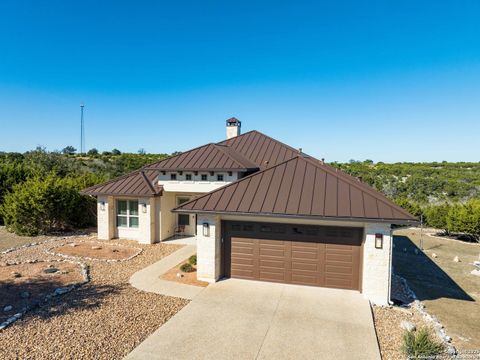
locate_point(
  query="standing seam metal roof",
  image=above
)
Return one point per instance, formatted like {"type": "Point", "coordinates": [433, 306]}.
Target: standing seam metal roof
{"type": "Point", "coordinates": [300, 187]}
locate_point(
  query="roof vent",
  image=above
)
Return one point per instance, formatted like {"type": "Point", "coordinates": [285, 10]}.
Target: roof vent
{"type": "Point", "coordinates": [299, 150]}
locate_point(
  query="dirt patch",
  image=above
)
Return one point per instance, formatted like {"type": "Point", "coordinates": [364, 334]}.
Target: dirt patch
{"type": "Point", "coordinates": [24, 284]}
{"type": "Point", "coordinates": [96, 250]}
{"type": "Point", "coordinates": [187, 278]}
{"type": "Point", "coordinates": [446, 288]}
{"type": "Point", "coordinates": [389, 332]}
{"type": "Point", "coordinates": [103, 319]}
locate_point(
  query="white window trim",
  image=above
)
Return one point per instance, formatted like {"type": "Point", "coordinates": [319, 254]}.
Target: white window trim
{"type": "Point", "coordinates": [127, 215]}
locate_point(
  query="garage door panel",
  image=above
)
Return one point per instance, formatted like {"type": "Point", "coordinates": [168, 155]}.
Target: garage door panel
{"type": "Point", "coordinates": [318, 260]}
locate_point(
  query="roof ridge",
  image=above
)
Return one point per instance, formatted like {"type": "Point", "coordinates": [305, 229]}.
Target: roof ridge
{"type": "Point", "coordinates": [113, 180]}
{"type": "Point", "coordinates": [148, 182]}
{"type": "Point", "coordinates": [148, 166]}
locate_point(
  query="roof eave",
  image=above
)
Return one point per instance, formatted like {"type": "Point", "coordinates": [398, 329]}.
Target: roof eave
{"type": "Point", "coordinates": [310, 217]}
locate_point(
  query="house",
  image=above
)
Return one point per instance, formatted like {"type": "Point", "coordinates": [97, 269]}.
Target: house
{"type": "Point", "coordinates": [260, 210]}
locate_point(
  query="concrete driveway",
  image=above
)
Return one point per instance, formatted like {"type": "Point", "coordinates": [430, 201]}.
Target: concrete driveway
{"type": "Point", "coordinates": [239, 319]}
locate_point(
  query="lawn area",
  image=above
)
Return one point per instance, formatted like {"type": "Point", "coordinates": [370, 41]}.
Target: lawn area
{"type": "Point", "coordinates": [446, 287]}
{"type": "Point", "coordinates": [103, 319]}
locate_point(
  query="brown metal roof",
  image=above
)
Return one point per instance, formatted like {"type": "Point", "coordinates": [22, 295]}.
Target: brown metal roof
{"type": "Point", "coordinates": [211, 157]}
{"type": "Point", "coordinates": [300, 187]}
{"type": "Point", "coordinates": [138, 183]}
{"type": "Point", "coordinates": [260, 149]}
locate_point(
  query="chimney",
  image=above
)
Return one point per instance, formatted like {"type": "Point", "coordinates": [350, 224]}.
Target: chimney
{"type": "Point", "coordinates": [233, 127]}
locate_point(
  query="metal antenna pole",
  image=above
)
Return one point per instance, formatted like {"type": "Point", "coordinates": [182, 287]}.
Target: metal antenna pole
{"type": "Point", "coordinates": [82, 130]}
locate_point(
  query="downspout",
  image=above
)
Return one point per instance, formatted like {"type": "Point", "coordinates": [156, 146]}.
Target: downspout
{"type": "Point", "coordinates": [390, 302]}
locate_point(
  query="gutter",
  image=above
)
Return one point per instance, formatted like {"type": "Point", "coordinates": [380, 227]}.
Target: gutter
{"type": "Point", "coordinates": [311, 217]}
{"type": "Point", "coordinates": [390, 268]}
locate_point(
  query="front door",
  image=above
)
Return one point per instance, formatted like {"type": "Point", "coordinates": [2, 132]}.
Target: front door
{"type": "Point", "coordinates": [186, 220]}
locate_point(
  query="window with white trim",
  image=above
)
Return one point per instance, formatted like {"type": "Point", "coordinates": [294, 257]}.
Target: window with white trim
{"type": "Point", "coordinates": [127, 213]}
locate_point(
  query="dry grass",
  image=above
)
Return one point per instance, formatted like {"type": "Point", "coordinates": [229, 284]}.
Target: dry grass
{"type": "Point", "coordinates": [447, 288]}
{"type": "Point", "coordinates": [103, 319]}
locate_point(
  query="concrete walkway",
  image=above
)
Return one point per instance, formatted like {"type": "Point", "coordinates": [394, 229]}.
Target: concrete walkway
{"type": "Point", "coordinates": [148, 279]}
{"type": "Point", "coordinates": [239, 319]}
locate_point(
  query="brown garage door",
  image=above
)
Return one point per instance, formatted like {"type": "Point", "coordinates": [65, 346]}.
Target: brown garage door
{"type": "Point", "coordinates": [296, 254]}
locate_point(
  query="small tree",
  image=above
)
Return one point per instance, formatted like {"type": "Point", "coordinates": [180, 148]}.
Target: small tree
{"type": "Point", "coordinates": [436, 216]}
{"type": "Point", "coordinates": [465, 218]}
{"type": "Point", "coordinates": [42, 205]}
{"type": "Point", "coordinates": [69, 150]}
{"type": "Point", "coordinates": [92, 152]}
{"type": "Point", "coordinates": [116, 152]}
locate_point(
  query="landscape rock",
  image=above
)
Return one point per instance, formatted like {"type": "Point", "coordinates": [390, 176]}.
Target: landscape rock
{"type": "Point", "coordinates": [456, 259]}
{"type": "Point", "coordinates": [50, 270]}
{"type": "Point", "coordinates": [7, 308]}
{"type": "Point", "coordinates": [407, 325]}
{"type": "Point", "coordinates": [73, 245]}
{"type": "Point", "coordinates": [475, 272]}
{"type": "Point", "coordinates": [96, 247]}
{"type": "Point", "coordinates": [434, 255]}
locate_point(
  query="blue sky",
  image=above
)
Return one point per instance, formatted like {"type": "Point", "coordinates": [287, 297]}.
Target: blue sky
{"type": "Point", "coordinates": [383, 80]}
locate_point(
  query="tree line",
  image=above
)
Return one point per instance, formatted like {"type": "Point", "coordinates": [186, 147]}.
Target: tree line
{"type": "Point", "coordinates": [39, 190]}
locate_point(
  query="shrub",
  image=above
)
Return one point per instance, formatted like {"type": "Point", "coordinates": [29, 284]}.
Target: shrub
{"type": "Point", "coordinates": [436, 216]}
{"type": "Point", "coordinates": [42, 205]}
{"type": "Point", "coordinates": [465, 218]}
{"type": "Point", "coordinates": [420, 344]}
{"type": "Point", "coordinates": [187, 268]}
{"type": "Point", "coordinates": [193, 260]}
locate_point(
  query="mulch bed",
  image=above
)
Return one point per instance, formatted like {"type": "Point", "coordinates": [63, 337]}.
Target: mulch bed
{"type": "Point", "coordinates": [186, 278]}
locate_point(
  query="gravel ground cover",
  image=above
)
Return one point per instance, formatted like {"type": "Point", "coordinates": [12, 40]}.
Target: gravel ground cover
{"type": "Point", "coordinates": [103, 319]}
{"type": "Point", "coordinates": [23, 284]}
{"type": "Point", "coordinates": [389, 332]}
{"type": "Point", "coordinates": [95, 250]}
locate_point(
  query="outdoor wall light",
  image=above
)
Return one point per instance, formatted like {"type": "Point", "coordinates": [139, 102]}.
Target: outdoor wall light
{"type": "Point", "coordinates": [144, 208]}
{"type": "Point", "coordinates": [102, 205]}
{"type": "Point", "coordinates": [378, 241]}
{"type": "Point", "coordinates": [206, 229]}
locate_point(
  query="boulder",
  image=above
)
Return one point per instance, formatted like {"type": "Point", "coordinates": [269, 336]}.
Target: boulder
{"type": "Point", "coordinates": [456, 259]}
{"type": "Point", "coordinates": [434, 255]}
{"type": "Point", "coordinates": [407, 325]}
{"type": "Point", "coordinates": [50, 270]}
{"type": "Point", "coordinates": [7, 308]}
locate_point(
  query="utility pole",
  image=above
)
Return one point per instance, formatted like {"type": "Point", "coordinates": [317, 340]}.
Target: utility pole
{"type": "Point", "coordinates": [82, 130]}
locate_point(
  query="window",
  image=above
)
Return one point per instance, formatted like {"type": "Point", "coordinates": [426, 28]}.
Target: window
{"type": "Point", "coordinates": [188, 177]}
{"type": "Point", "coordinates": [220, 177]}
{"type": "Point", "coordinates": [127, 213]}
{"type": "Point", "coordinates": [204, 177]}
{"type": "Point", "coordinates": [173, 176]}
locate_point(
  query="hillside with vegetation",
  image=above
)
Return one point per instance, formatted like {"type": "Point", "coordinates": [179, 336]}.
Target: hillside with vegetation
{"type": "Point", "coordinates": [39, 190]}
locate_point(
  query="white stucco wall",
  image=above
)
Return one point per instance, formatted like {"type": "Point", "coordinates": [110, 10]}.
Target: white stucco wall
{"type": "Point", "coordinates": [105, 211]}
{"type": "Point", "coordinates": [196, 185]}
{"type": "Point", "coordinates": [377, 264]}
{"type": "Point", "coordinates": [208, 248]}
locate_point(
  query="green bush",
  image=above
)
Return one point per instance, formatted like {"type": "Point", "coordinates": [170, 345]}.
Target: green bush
{"type": "Point", "coordinates": [42, 205]}
{"type": "Point", "coordinates": [193, 260]}
{"type": "Point", "coordinates": [187, 268]}
{"type": "Point", "coordinates": [420, 344]}
{"type": "Point", "coordinates": [436, 216]}
{"type": "Point", "coordinates": [465, 218]}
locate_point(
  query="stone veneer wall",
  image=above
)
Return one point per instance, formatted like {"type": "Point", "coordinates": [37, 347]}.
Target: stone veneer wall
{"type": "Point", "coordinates": [209, 248]}
{"type": "Point", "coordinates": [377, 264]}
